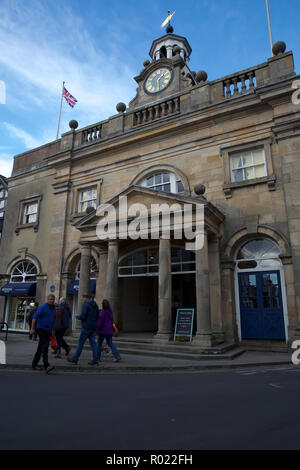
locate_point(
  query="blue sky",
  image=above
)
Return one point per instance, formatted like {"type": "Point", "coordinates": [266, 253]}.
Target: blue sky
{"type": "Point", "coordinates": [98, 46]}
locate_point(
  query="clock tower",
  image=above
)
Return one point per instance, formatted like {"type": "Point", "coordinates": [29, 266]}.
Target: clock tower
{"type": "Point", "coordinates": [167, 73]}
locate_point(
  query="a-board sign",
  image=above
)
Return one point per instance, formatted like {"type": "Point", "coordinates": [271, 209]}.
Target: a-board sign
{"type": "Point", "coordinates": [184, 322]}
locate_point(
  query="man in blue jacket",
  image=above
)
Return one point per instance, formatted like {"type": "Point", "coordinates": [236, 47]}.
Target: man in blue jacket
{"type": "Point", "coordinates": [88, 317]}
{"type": "Point", "coordinates": [43, 322]}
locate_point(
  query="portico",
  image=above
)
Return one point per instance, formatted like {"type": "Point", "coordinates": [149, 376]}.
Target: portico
{"type": "Point", "coordinates": [206, 267]}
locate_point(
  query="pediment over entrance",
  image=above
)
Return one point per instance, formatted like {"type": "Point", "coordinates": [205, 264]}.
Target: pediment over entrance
{"type": "Point", "coordinates": [126, 203]}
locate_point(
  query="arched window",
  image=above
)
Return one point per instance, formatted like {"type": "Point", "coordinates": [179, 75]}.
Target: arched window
{"type": "Point", "coordinates": [146, 262]}
{"type": "Point", "coordinates": [93, 268]}
{"type": "Point", "coordinates": [163, 52]}
{"type": "Point", "coordinates": [260, 253]}
{"type": "Point", "coordinates": [24, 271]}
{"type": "Point", "coordinates": [164, 181]}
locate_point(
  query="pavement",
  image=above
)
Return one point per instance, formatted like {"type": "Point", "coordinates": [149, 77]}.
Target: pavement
{"type": "Point", "coordinates": [20, 351]}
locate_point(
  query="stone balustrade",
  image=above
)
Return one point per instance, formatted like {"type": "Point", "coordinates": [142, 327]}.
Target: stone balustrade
{"type": "Point", "coordinates": [240, 83]}
{"type": "Point", "coordinates": [158, 111]}
{"type": "Point", "coordinates": [91, 134]}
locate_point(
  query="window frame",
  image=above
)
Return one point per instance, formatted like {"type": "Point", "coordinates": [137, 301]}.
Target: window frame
{"type": "Point", "coordinates": [94, 184]}
{"type": "Point", "coordinates": [227, 151]}
{"type": "Point", "coordinates": [22, 207]}
{"type": "Point", "coordinates": [174, 179]}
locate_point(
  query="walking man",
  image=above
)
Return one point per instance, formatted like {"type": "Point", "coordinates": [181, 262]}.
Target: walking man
{"type": "Point", "coordinates": [88, 317]}
{"type": "Point", "coordinates": [43, 322]}
{"type": "Point", "coordinates": [61, 326]}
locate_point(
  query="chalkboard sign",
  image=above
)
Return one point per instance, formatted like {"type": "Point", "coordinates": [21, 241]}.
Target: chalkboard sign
{"type": "Point", "coordinates": [184, 322]}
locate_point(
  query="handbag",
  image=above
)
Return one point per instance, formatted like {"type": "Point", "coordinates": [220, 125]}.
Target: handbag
{"type": "Point", "coordinates": [53, 343]}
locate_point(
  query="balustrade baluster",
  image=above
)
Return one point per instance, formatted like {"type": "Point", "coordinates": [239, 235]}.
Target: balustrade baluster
{"type": "Point", "coordinates": [176, 101]}
{"type": "Point", "coordinates": [251, 83]}
{"type": "Point", "coordinates": [151, 111]}
{"type": "Point", "coordinates": [169, 103]}
{"type": "Point", "coordinates": [227, 84]}
{"type": "Point", "coordinates": [163, 109]}
{"type": "Point", "coordinates": [156, 113]}
{"type": "Point", "coordinates": [243, 78]}
{"type": "Point", "coordinates": [235, 87]}
{"type": "Point", "coordinates": [139, 117]}
{"type": "Point", "coordinates": [144, 112]}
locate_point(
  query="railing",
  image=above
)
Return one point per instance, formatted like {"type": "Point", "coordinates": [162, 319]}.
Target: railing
{"type": "Point", "coordinates": [239, 84]}
{"type": "Point", "coordinates": [91, 135]}
{"type": "Point", "coordinates": [157, 111]}
{"type": "Point", "coordinates": [2, 323]}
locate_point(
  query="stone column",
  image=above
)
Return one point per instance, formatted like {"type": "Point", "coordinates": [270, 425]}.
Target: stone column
{"type": "Point", "coordinates": [101, 279]}
{"type": "Point", "coordinates": [204, 332]}
{"type": "Point", "coordinates": [169, 52]}
{"type": "Point", "coordinates": [164, 332]}
{"type": "Point", "coordinates": [228, 301]}
{"type": "Point", "coordinates": [112, 277]}
{"type": "Point", "coordinates": [85, 267]}
{"type": "Point", "coordinates": [157, 55]}
{"type": "Point", "coordinates": [215, 288]}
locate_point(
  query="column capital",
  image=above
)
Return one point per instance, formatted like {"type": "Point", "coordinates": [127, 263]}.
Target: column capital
{"type": "Point", "coordinates": [113, 243]}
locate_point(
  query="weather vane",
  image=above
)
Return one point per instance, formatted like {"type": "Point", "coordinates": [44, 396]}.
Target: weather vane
{"type": "Point", "coordinates": [168, 19]}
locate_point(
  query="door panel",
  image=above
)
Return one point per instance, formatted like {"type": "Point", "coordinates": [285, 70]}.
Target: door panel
{"type": "Point", "coordinates": [261, 305]}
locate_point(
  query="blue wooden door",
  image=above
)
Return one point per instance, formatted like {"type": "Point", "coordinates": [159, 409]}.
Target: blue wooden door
{"type": "Point", "coordinates": [261, 305]}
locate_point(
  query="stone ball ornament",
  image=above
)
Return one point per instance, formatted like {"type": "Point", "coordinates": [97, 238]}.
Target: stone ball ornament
{"type": "Point", "coordinates": [177, 50]}
{"type": "Point", "coordinates": [73, 124]}
{"type": "Point", "coordinates": [146, 63]}
{"type": "Point", "coordinates": [199, 189]}
{"type": "Point", "coordinates": [279, 47]}
{"type": "Point", "coordinates": [170, 29]}
{"type": "Point", "coordinates": [121, 107]}
{"type": "Point", "coordinates": [89, 209]}
{"type": "Point", "coordinates": [201, 76]}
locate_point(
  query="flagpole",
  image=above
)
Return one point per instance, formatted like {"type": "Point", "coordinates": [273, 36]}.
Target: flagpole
{"type": "Point", "coordinates": [61, 100]}
{"type": "Point", "coordinates": [270, 29]}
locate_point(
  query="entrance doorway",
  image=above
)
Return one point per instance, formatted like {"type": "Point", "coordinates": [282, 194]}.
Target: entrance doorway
{"type": "Point", "coordinates": [138, 287]}
{"type": "Point", "coordinates": [260, 291]}
{"type": "Point", "coordinates": [261, 305]}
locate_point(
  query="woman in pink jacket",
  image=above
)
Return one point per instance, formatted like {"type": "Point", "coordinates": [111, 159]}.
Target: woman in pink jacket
{"type": "Point", "coordinates": [105, 330]}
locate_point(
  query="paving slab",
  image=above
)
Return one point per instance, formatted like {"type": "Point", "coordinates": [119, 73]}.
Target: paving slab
{"type": "Point", "coordinates": [20, 351]}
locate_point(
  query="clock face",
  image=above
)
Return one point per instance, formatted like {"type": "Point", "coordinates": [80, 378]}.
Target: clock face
{"type": "Point", "coordinates": [158, 80]}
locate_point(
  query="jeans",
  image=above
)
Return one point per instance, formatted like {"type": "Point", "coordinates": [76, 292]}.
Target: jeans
{"type": "Point", "coordinates": [109, 343]}
{"type": "Point", "coordinates": [42, 349]}
{"type": "Point", "coordinates": [84, 335]}
{"type": "Point", "coordinates": [60, 340]}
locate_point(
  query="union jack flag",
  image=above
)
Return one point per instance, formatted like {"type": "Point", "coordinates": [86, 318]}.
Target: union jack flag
{"type": "Point", "coordinates": [69, 98]}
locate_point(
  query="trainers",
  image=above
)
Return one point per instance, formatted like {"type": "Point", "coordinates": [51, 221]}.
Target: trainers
{"type": "Point", "coordinates": [118, 359]}
{"type": "Point", "coordinates": [92, 363]}
{"type": "Point", "coordinates": [49, 369]}
{"type": "Point", "coordinates": [37, 368]}
{"type": "Point", "coordinates": [71, 360]}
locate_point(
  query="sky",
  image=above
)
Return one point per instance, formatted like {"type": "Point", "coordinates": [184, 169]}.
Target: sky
{"type": "Point", "coordinates": [98, 46]}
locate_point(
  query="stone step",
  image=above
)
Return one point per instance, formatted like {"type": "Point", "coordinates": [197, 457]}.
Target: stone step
{"type": "Point", "coordinates": [176, 351]}
{"type": "Point", "coordinates": [265, 345]}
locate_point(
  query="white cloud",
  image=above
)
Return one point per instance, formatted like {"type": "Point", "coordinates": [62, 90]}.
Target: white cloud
{"type": "Point", "coordinates": [29, 141]}
{"type": "Point", "coordinates": [6, 164]}
{"type": "Point", "coordinates": [52, 46]}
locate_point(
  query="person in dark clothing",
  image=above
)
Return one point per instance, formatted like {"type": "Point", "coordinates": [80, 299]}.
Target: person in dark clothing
{"type": "Point", "coordinates": [43, 322]}
{"type": "Point", "coordinates": [29, 320]}
{"type": "Point", "coordinates": [88, 317]}
{"type": "Point", "coordinates": [105, 330]}
{"type": "Point", "coordinates": [61, 325]}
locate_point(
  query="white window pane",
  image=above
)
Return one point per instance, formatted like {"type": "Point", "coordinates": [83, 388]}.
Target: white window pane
{"type": "Point", "coordinates": [31, 209]}
{"type": "Point", "coordinates": [258, 156]}
{"type": "Point", "coordinates": [246, 159]}
{"type": "Point", "coordinates": [2, 204]}
{"type": "Point", "coordinates": [1, 193]}
{"type": "Point", "coordinates": [157, 178]}
{"type": "Point", "coordinates": [260, 171]}
{"type": "Point", "coordinates": [180, 187]}
{"type": "Point", "coordinates": [235, 161]}
{"type": "Point", "coordinates": [166, 177]}
{"type": "Point", "coordinates": [150, 181]}
{"type": "Point", "coordinates": [237, 175]}
{"type": "Point", "coordinates": [248, 174]}
{"type": "Point", "coordinates": [1, 215]}
{"type": "Point", "coordinates": [31, 218]}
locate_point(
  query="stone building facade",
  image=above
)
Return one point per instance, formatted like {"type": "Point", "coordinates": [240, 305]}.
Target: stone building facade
{"type": "Point", "coordinates": [230, 146]}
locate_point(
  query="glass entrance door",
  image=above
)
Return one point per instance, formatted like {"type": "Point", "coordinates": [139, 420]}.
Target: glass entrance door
{"type": "Point", "coordinates": [261, 305]}
{"type": "Point", "coordinates": [20, 307]}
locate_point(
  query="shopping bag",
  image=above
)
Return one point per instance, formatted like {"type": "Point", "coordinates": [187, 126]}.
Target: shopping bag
{"type": "Point", "coordinates": [53, 343]}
